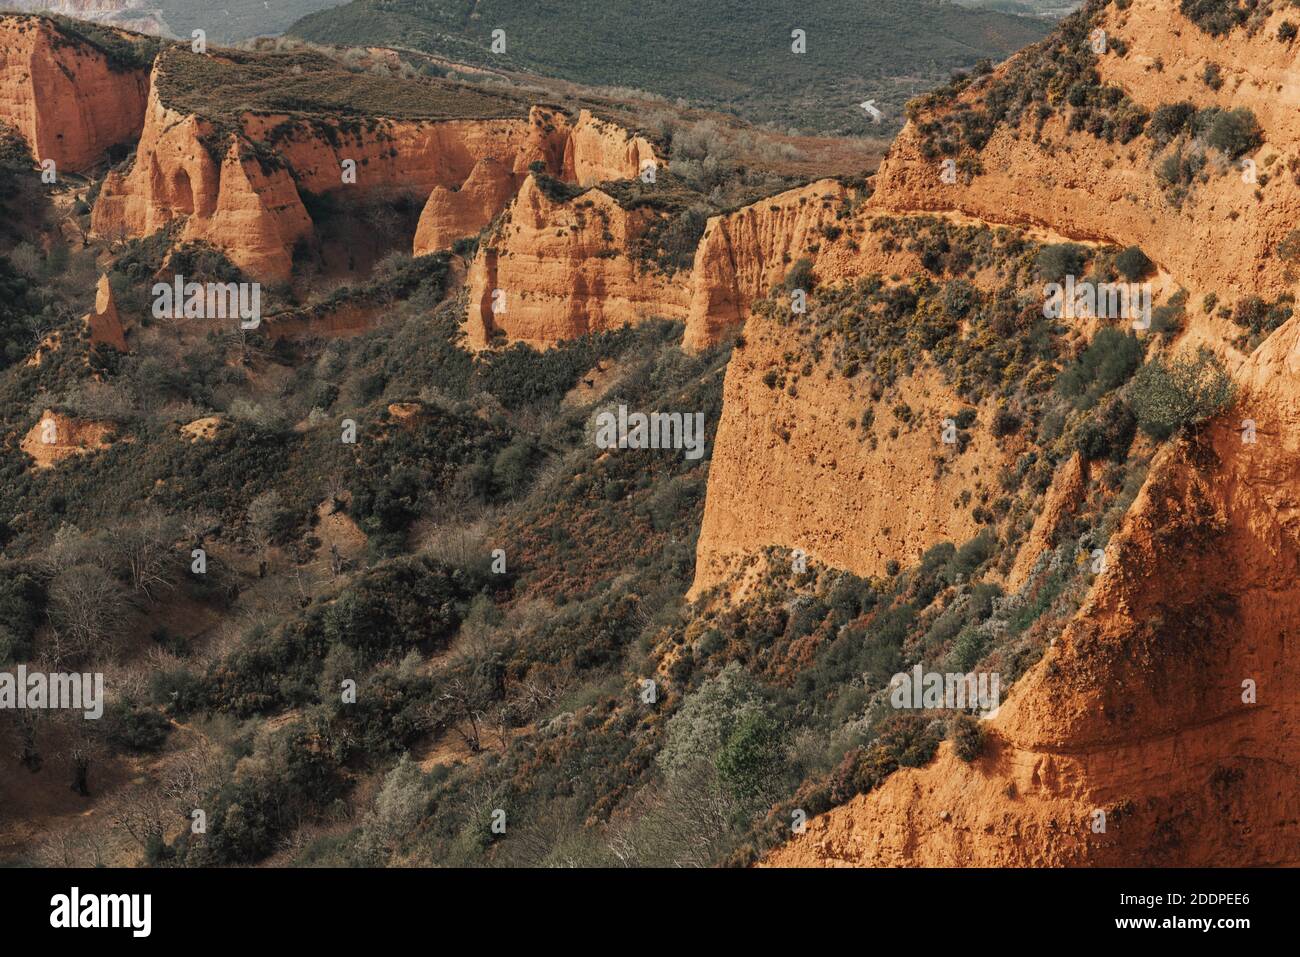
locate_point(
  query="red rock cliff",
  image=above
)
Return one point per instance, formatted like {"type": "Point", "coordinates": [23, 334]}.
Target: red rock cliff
{"type": "Point", "coordinates": [67, 99]}
{"type": "Point", "coordinates": [1141, 708]}
{"type": "Point", "coordinates": [564, 268]}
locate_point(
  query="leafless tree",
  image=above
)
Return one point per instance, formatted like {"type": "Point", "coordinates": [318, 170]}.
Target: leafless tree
{"type": "Point", "coordinates": [82, 745]}
{"type": "Point", "coordinates": [143, 815]}
{"type": "Point", "coordinates": [146, 548]}
{"type": "Point", "coordinates": [262, 512]}
{"type": "Point", "coordinates": [86, 607]}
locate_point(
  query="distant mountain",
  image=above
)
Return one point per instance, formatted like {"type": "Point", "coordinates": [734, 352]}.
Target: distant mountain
{"type": "Point", "coordinates": [731, 54]}
{"type": "Point", "coordinates": [224, 21]}
{"type": "Point", "coordinates": [1041, 8]}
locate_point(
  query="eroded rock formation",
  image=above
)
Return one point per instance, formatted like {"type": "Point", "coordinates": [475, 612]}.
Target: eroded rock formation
{"type": "Point", "coordinates": [557, 268]}
{"type": "Point", "coordinates": [68, 100]}
{"type": "Point", "coordinates": [1163, 707]}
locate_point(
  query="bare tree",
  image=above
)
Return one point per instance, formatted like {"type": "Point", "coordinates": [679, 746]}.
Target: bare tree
{"type": "Point", "coordinates": [262, 515]}
{"type": "Point", "coordinates": [146, 548]}
{"type": "Point", "coordinates": [72, 847]}
{"type": "Point", "coordinates": [475, 685]}
{"type": "Point", "coordinates": [143, 815]}
{"type": "Point", "coordinates": [28, 753]}
{"type": "Point", "coordinates": [82, 745]}
{"type": "Point", "coordinates": [86, 607]}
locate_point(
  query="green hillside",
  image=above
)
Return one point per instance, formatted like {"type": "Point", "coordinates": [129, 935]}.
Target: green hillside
{"type": "Point", "coordinates": [233, 20]}
{"type": "Point", "coordinates": [729, 54]}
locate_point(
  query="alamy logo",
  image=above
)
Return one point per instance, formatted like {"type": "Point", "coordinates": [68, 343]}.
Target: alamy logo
{"type": "Point", "coordinates": [934, 689]}
{"type": "Point", "coordinates": [1107, 300]}
{"type": "Point", "coordinates": [39, 691]}
{"type": "Point", "coordinates": [657, 430]}
{"type": "Point", "coordinates": [134, 911]}
{"type": "Point", "coordinates": [211, 300]}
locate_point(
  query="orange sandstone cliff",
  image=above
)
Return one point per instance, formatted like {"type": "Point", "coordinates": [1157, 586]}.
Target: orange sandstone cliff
{"type": "Point", "coordinates": [1088, 187]}
{"type": "Point", "coordinates": [241, 186]}
{"type": "Point", "coordinates": [555, 269]}
{"type": "Point", "coordinates": [104, 323]}
{"type": "Point", "coordinates": [743, 254]}
{"type": "Point", "coordinates": [56, 437]}
{"type": "Point", "coordinates": [1165, 704]}
{"type": "Point", "coordinates": [1158, 729]}
{"type": "Point", "coordinates": [67, 99]}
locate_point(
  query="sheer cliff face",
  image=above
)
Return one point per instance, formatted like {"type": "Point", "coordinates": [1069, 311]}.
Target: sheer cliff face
{"type": "Point", "coordinates": [467, 198]}
{"type": "Point", "coordinates": [1088, 187]}
{"type": "Point", "coordinates": [742, 255]}
{"type": "Point", "coordinates": [65, 98]}
{"type": "Point", "coordinates": [250, 210]}
{"type": "Point", "coordinates": [1138, 710]}
{"type": "Point", "coordinates": [1165, 702]}
{"type": "Point", "coordinates": [243, 190]}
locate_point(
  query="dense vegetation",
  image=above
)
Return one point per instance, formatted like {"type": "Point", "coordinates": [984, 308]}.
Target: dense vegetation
{"type": "Point", "coordinates": [732, 54]}
{"type": "Point", "coordinates": [1055, 77]}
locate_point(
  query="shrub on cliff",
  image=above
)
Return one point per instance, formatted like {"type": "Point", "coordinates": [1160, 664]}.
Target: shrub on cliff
{"type": "Point", "coordinates": [1234, 132]}
{"type": "Point", "coordinates": [1107, 433]}
{"type": "Point", "coordinates": [967, 737]}
{"type": "Point", "coordinates": [1059, 260]}
{"type": "Point", "coordinates": [1132, 263]}
{"type": "Point", "coordinates": [905, 740]}
{"type": "Point", "coordinates": [1169, 120]}
{"type": "Point", "coordinates": [800, 275]}
{"type": "Point", "coordinates": [1215, 17]}
{"type": "Point", "coordinates": [750, 758]}
{"type": "Point", "coordinates": [1168, 396]}
{"type": "Point", "coordinates": [1109, 361]}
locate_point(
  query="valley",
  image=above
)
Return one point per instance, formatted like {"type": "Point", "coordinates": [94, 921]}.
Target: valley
{"type": "Point", "coordinates": [452, 612]}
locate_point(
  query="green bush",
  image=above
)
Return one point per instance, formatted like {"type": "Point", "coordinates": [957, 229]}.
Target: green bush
{"type": "Point", "coordinates": [1059, 260]}
{"type": "Point", "coordinates": [1215, 17]}
{"type": "Point", "coordinates": [1169, 120]}
{"type": "Point", "coordinates": [137, 729]}
{"type": "Point", "coordinates": [1288, 250]}
{"type": "Point", "coordinates": [1168, 396]}
{"type": "Point", "coordinates": [967, 737]}
{"type": "Point", "coordinates": [22, 611]}
{"type": "Point", "coordinates": [1107, 433]}
{"type": "Point", "coordinates": [1234, 132]}
{"type": "Point", "coordinates": [1133, 264]}
{"type": "Point", "coordinates": [1108, 362]}
{"type": "Point", "coordinates": [800, 276]}
{"type": "Point", "coordinates": [750, 758]}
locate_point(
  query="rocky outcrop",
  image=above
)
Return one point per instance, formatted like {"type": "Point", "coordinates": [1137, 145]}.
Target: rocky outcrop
{"type": "Point", "coordinates": [246, 188]}
{"type": "Point", "coordinates": [1165, 703]}
{"type": "Point", "coordinates": [743, 254]}
{"type": "Point", "coordinates": [105, 324]}
{"type": "Point", "coordinates": [56, 437]}
{"type": "Point", "coordinates": [1110, 191]}
{"type": "Point", "coordinates": [68, 100]}
{"type": "Point", "coordinates": [556, 269]}
{"type": "Point", "coordinates": [597, 150]}
{"type": "Point", "coordinates": [204, 429]}
{"type": "Point", "coordinates": [799, 471]}
{"type": "Point", "coordinates": [235, 200]}
{"type": "Point", "coordinates": [456, 212]}
{"type": "Point", "coordinates": [1064, 496]}
{"type": "Point", "coordinates": [1158, 729]}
